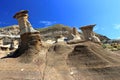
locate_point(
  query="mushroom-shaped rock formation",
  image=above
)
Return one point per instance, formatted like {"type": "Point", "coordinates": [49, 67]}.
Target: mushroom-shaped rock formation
{"type": "Point", "coordinates": [30, 39]}
{"type": "Point", "coordinates": [89, 34]}
{"type": "Point", "coordinates": [25, 25]}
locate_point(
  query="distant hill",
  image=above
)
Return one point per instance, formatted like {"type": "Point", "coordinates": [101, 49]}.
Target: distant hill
{"type": "Point", "coordinates": [49, 32]}
{"type": "Point", "coordinates": [59, 29]}
{"type": "Point", "coordinates": [52, 31]}
{"type": "Point", "coordinates": [102, 37]}
{"type": "Point", "coordinates": [10, 30]}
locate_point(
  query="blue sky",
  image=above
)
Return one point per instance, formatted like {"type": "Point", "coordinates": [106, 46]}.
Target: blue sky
{"type": "Point", "coordinates": [42, 13]}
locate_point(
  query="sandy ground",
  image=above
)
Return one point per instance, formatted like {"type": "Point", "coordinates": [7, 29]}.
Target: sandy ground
{"type": "Point", "coordinates": [83, 61]}
{"type": "Point", "coordinates": [118, 52]}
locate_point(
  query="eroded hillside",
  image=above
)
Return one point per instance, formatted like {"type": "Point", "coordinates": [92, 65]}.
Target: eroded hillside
{"type": "Point", "coordinates": [83, 61]}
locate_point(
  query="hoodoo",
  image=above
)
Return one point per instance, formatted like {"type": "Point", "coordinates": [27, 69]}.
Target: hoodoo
{"type": "Point", "coordinates": [30, 38]}
{"type": "Point", "coordinates": [88, 33]}
{"type": "Point", "coordinates": [75, 34]}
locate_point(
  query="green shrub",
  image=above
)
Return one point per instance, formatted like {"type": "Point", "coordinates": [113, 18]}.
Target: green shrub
{"type": "Point", "coordinates": [118, 47]}
{"type": "Point", "coordinates": [104, 46]}
{"type": "Point", "coordinates": [114, 49]}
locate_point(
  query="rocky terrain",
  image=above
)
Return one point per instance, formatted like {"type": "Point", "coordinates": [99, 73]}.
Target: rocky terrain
{"type": "Point", "coordinates": [76, 59]}
{"type": "Point", "coordinates": [81, 61]}
{"type": "Point", "coordinates": [47, 33]}
{"type": "Point", "coordinates": [10, 30]}
{"type": "Point", "coordinates": [59, 29]}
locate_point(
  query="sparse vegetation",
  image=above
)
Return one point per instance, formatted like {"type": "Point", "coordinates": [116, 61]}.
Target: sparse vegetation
{"type": "Point", "coordinates": [112, 46]}
{"type": "Point", "coordinates": [56, 27]}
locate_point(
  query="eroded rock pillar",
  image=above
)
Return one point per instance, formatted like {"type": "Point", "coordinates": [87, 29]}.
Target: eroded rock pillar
{"type": "Point", "coordinates": [26, 28]}
{"type": "Point", "coordinates": [75, 34]}
{"type": "Point", "coordinates": [88, 33]}
{"type": "Point", "coordinates": [30, 38]}
{"type": "Point", "coordinates": [75, 31]}
{"type": "Point", "coordinates": [24, 24]}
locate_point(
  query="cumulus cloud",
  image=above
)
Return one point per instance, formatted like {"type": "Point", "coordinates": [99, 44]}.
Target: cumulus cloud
{"type": "Point", "coordinates": [47, 23]}
{"type": "Point", "coordinates": [117, 26]}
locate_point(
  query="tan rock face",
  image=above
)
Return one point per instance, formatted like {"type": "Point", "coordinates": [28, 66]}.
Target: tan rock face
{"type": "Point", "coordinates": [1, 41]}
{"type": "Point", "coordinates": [89, 34]}
{"type": "Point", "coordinates": [31, 39]}
{"type": "Point", "coordinates": [60, 38]}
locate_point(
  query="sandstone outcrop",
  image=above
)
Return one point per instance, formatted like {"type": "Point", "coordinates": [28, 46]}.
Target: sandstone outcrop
{"type": "Point", "coordinates": [24, 24]}
{"type": "Point", "coordinates": [88, 33]}
{"type": "Point", "coordinates": [30, 43]}
{"type": "Point", "coordinates": [60, 38]}
{"type": "Point", "coordinates": [10, 30]}
{"type": "Point", "coordinates": [76, 35]}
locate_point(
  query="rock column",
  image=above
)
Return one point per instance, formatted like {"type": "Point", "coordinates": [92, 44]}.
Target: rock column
{"type": "Point", "coordinates": [30, 38]}
{"type": "Point", "coordinates": [25, 26]}
{"type": "Point", "coordinates": [76, 35]}
{"type": "Point", "coordinates": [88, 33]}
{"type": "Point", "coordinates": [74, 31]}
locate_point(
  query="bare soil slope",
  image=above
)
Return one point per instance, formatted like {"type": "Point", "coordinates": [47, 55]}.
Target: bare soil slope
{"type": "Point", "coordinates": [81, 61]}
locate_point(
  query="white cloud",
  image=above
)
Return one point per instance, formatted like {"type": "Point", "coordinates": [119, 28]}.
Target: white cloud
{"type": "Point", "coordinates": [96, 28]}
{"type": "Point", "coordinates": [117, 26]}
{"type": "Point", "coordinates": [118, 38]}
{"type": "Point", "coordinates": [47, 23]}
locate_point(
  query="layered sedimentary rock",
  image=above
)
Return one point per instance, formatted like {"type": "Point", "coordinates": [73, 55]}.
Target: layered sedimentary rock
{"type": "Point", "coordinates": [60, 38]}
{"type": "Point", "coordinates": [88, 33]}
{"type": "Point", "coordinates": [25, 25]}
{"type": "Point", "coordinates": [26, 28]}
{"type": "Point", "coordinates": [30, 39]}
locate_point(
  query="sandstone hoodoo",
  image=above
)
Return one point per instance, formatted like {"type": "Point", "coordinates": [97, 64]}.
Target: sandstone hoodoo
{"type": "Point", "coordinates": [76, 35]}
{"type": "Point", "coordinates": [75, 31]}
{"type": "Point", "coordinates": [30, 38]}
{"type": "Point", "coordinates": [88, 33]}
